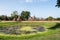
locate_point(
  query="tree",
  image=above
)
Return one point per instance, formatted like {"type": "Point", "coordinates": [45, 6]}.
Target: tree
{"type": "Point", "coordinates": [25, 15]}
{"type": "Point", "coordinates": [58, 3]}
{"type": "Point", "coordinates": [50, 18]}
{"type": "Point", "coordinates": [14, 15]}
{"type": "Point", "coordinates": [3, 17]}
{"type": "Point", "coordinates": [57, 18]}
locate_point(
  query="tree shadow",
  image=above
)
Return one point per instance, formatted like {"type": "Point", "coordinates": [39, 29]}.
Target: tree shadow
{"type": "Point", "coordinates": [55, 27]}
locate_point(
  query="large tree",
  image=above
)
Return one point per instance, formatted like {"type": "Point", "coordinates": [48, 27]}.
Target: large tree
{"type": "Point", "coordinates": [14, 15]}
{"type": "Point", "coordinates": [57, 18]}
{"type": "Point", "coordinates": [4, 17]}
{"type": "Point", "coordinates": [25, 15]}
{"type": "Point", "coordinates": [50, 18]}
{"type": "Point", "coordinates": [58, 3]}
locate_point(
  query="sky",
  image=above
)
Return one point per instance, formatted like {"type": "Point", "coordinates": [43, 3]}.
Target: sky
{"type": "Point", "coordinates": [38, 8]}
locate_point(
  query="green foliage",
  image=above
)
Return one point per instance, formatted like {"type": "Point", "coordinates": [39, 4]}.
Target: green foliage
{"type": "Point", "coordinates": [57, 18]}
{"type": "Point", "coordinates": [14, 15]}
{"type": "Point", "coordinates": [58, 3]}
{"type": "Point", "coordinates": [25, 15]}
{"type": "Point", "coordinates": [50, 18]}
{"type": "Point", "coordinates": [3, 17]}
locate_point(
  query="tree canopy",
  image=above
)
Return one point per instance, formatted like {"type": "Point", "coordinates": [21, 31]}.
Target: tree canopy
{"type": "Point", "coordinates": [25, 15]}
{"type": "Point", "coordinates": [14, 15]}
{"type": "Point", "coordinates": [58, 3]}
{"type": "Point", "coordinates": [50, 18]}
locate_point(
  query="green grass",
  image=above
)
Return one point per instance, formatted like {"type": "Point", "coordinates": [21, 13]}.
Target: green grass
{"type": "Point", "coordinates": [49, 35]}
{"type": "Point", "coordinates": [44, 24]}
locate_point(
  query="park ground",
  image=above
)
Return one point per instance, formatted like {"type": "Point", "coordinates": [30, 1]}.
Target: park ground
{"type": "Point", "coordinates": [50, 34]}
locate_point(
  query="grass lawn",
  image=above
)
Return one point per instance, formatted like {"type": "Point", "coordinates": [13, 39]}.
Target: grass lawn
{"type": "Point", "coordinates": [45, 24]}
{"type": "Point", "coordinates": [48, 35]}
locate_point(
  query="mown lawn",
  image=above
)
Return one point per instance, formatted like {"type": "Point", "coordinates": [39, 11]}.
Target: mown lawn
{"type": "Point", "coordinates": [45, 24]}
{"type": "Point", "coordinates": [51, 34]}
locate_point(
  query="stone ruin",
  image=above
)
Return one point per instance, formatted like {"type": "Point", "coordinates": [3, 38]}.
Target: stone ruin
{"type": "Point", "coordinates": [18, 19]}
{"type": "Point", "coordinates": [16, 30]}
{"type": "Point", "coordinates": [39, 28]}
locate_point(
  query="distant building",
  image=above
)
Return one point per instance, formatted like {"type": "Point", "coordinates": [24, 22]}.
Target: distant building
{"type": "Point", "coordinates": [42, 19]}
{"type": "Point", "coordinates": [18, 19]}
{"type": "Point", "coordinates": [14, 19]}
{"type": "Point", "coordinates": [32, 18]}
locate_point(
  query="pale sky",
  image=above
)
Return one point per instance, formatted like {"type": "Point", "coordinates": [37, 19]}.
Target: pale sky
{"type": "Point", "coordinates": [39, 8]}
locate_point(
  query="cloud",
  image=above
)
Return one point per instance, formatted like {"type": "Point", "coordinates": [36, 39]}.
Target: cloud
{"type": "Point", "coordinates": [44, 0]}
{"type": "Point", "coordinates": [35, 0]}
{"type": "Point", "coordinates": [29, 0]}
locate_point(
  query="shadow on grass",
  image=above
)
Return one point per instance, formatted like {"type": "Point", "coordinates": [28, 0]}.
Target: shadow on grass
{"type": "Point", "coordinates": [56, 26]}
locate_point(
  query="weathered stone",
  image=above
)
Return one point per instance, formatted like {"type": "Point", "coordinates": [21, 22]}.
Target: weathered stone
{"type": "Point", "coordinates": [39, 28]}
